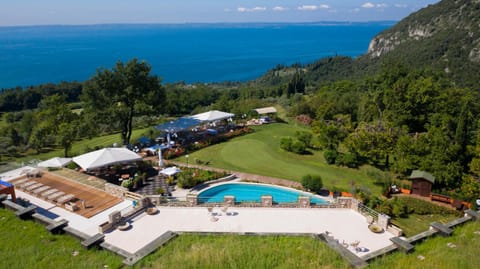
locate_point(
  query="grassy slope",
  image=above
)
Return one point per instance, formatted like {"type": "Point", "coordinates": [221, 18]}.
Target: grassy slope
{"type": "Point", "coordinates": [260, 153]}
{"type": "Point", "coordinates": [236, 251]}
{"type": "Point", "coordinates": [26, 244]}
{"type": "Point", "coordinates": [79, 147]}
{"type": "Point", "coordinates": [437, 254]}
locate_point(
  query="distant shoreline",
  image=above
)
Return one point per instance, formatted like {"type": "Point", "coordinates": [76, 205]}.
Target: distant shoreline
{"type": "Point", "coordinates": [314, 23]}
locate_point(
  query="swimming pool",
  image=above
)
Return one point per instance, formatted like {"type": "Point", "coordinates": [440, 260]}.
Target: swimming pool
{"type": "Point", "coordinates": [249, 192]}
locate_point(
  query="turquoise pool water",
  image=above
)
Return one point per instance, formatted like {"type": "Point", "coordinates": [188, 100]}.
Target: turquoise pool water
{"type": "Point", "coordinates": [246, 192]}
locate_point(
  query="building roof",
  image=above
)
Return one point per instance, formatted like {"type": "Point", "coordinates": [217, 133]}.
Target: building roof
{"type": "Point", "coordinates": [266, 110]}
{"type": "Point", "coordinates": [178, 125]}
{"type": "Point", "coordinates": [55, 162]}
{"type": "Point", "coordinates": [105, 157]}
{"type": "Point", "coordinates": [422, 174]}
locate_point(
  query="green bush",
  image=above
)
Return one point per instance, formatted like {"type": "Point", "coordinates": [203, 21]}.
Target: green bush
{"type": "Point", "coordinates": [127, 183]}
{"type": "Point", "coordinates": [304, 137]}
{"type": "Point", "coordinates": [347, 159]}
{"type": "Point", "coordinates": [313, 183]}
{"type": "Point", "coordinates": [298, 147]}
{"type": "Point", "coordinates": [330, 156]}
{"type": "Point", "coordinates": [286, 143]}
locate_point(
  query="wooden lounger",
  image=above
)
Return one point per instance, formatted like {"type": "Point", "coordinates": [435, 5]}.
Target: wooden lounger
{"type": "Point", "coordinates": [67, 198]}
{"type": "Point", "coordinates": [25, 185]}
{"type": "Point", "coordinates": [48, 193]}
{"type": "Point", "coordinates": [34, 186]}
{"type": "Point", "coordinates": [55, 195]}
{"type": "Point", "coordinates": [20, 181]}
{"type": "Point", "coordinates": [40, 190]}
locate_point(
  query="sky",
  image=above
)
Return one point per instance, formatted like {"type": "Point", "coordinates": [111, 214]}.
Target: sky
{"type": "Point", "coordinates": [48, 12]}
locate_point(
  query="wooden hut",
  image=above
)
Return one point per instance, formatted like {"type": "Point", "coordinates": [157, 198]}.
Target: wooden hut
{"type": "Point", "coordinates": [422, 183]}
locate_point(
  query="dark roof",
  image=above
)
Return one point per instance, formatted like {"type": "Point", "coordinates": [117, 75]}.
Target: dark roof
{"type": "Point", "coordinates": [177, 125]}
{"type": "Point", "coordinates": [422, 174]}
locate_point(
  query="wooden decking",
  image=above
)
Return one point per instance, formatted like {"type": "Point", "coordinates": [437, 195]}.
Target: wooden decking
{"type": "Point", "coordinates": [95, 200]}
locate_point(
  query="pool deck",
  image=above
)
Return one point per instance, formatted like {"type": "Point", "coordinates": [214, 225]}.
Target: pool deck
{"type": "Point", "coordinates": [345, 225]}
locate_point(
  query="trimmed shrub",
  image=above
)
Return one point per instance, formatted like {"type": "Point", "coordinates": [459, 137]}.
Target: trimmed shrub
{"type": "Point", "coordinates": [286, 143]}
{"type": "Point", "coordinates": [313, 183]}
{"type": "Point", "coordinates": [330, 156]}
{"type": "Point", "coordinates": [298, 147]}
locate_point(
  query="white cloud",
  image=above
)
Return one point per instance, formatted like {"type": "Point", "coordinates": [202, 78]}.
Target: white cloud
{"type": "Point", "coordinates": [255, 9]}
{"type": "Point", "coordinates": [307, 7]}
{"type": "Point", "coordinates": [372, 5]}
{"type": "Point", "coordinates": [279, 8]}
{"type": "Point", "coordinates": [368, 5]}
{"type": "Point", "coordinates": [324, 6]}
{"type": "Point", "coordinates": [401, 5]}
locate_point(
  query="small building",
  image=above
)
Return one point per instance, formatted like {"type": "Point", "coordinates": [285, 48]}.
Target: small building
{"type": "Point", "coordinates": [266, 110]}
{"type": "Point", "coordinates": [422, 183]}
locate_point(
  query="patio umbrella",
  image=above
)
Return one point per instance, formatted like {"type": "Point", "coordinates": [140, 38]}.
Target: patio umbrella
{"type": "Point", "coordinates": [170, 171]}
{"type": "Point", "coordinates": [55, 162]}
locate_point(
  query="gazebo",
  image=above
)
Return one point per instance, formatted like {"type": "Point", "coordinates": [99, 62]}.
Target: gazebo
{"type": "Point", "coordinates": [422, 183]}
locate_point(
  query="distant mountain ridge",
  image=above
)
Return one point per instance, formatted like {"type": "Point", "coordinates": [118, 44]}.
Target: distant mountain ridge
{"type": "Point", "coordinates": [443, 36]}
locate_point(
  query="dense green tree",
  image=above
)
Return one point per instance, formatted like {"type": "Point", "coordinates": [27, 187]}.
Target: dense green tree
{"type": "Point", "coordinates": [119, 94]}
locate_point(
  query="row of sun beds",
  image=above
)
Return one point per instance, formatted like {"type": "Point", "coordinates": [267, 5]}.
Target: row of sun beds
{"type": "Point", "coordinates": [45, 192]}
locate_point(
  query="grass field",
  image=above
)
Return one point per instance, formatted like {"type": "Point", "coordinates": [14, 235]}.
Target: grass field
{"type": "Point", "coordinates": [437, 253]}
{"type": "Point", "coordinates": [80, 147]}
{"type": "Point", "coordinates": [26, 244]}
{"type": "Point", "coordinates": [237, 251]}
{"type": "Point", "coordinates": [260, 153]}
{"type": "Point", "coordinates": [416, 224]}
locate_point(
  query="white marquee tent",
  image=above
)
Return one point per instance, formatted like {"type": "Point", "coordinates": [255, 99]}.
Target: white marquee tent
{"type": "Point", "coordinates": [55, 162]}
{"type": "Point", "coordinates": [212, 115]}
{"type": "Point", "coordinates": [106, 156]}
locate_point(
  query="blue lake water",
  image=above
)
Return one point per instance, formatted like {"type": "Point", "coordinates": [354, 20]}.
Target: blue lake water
{"type": "Point", "coordinates": [246, 192]}
{"type": "Point", "coordinates": [183, 52]}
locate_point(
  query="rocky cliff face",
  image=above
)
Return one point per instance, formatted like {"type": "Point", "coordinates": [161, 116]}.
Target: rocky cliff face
{"type": "Point", "coordinates": [435, 26]}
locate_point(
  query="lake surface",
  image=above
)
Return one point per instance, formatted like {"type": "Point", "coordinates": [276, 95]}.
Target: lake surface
{"type": "Point", "coordinates": [183, 52]}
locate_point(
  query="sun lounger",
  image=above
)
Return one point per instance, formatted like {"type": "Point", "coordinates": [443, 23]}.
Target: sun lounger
{"type": "Point", "coordinates": [55, 195]}
{"type": "Point", "coordinates": [48, 193]}
{"type": "Point", "coordinates": [66, 198]}
{"type": "Point", "coordinates": [34, 186]}
{"type": "Point", "coordinates": [40, 190]}
{"type": "Point", "coordinates": [25, 185]}
{"type": "Point", "coordinates": [21, 181]}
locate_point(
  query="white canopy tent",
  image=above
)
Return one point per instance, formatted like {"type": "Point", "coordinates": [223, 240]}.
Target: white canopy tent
{"type": "Point", "coordinates": [213, 115]}
{"type": "Point", "coordinates": [55, 162]}
{"type": "Point", "coordinates": [170, 171]}
{"type": "Point", "coordinates": [106, 156]}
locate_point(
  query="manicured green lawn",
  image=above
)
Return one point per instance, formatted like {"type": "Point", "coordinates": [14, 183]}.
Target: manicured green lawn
{"type": "Point", "coordinates": [438, 254]}
{"type": "Point", "coordinates": [260, 153]}
{"type": "Point", "coordinates": [26, 244]}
